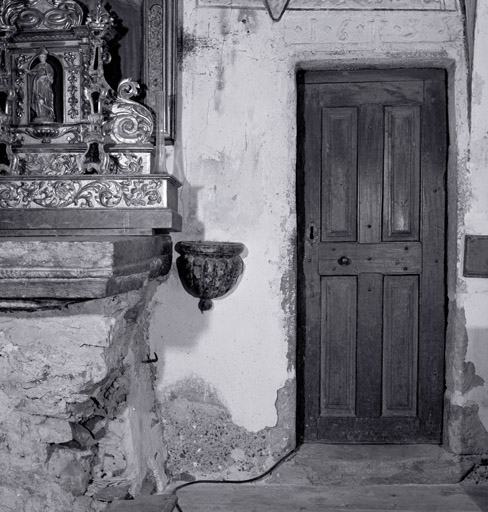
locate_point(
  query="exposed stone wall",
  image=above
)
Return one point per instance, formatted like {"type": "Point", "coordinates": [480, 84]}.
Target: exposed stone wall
{"type": "Point", "coordinates": [78, 425]}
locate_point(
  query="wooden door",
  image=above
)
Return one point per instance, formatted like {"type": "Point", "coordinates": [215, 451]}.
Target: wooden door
{"type": "Point", "coordinates": [371, 202]}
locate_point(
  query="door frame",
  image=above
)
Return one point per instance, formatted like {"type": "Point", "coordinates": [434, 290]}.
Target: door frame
{"type": "Point", "coordinates": [356, 75]}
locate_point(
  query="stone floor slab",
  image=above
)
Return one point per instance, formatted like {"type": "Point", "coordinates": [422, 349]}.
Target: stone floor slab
{"type": "Point", "coordinates": [379, 498]}
{"type": "Point", "coordinates": [155, 503]}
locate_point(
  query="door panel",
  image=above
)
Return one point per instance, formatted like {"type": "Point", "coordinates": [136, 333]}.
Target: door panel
{"type": "Point", "coordinates": [402, 173]}
{"type": "Point", "coordinates": [371, 288]}
{"type": "Point", "coordinates": [339, 181]}
{"type": "Point", "coordinates": [338, 386]}
{"type": "Point", "coordinates": [400, 345]}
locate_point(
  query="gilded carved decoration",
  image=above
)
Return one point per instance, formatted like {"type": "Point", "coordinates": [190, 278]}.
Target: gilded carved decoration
{"type": "Point", "coordinates": [67, 140]}
{"type": "Point", "coordinates": [130, 192]}
{"type": "Point", "coordinates": [37, 14]}
{"type": "Point", "coordinates": [72, 164]}
{"type": "Point", "coordinates": [130, 122]}
{"type": "Point", "coordinates": [160, 64]}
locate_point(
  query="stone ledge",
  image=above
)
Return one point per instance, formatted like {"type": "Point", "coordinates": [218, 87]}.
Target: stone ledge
{"type": "Point", "coordinates": [44, 271]}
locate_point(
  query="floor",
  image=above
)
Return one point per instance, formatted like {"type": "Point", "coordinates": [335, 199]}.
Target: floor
{"type": "Point", "coordinates": [352, 478]}
{"type": "Point", "coordinates": [274, 498]}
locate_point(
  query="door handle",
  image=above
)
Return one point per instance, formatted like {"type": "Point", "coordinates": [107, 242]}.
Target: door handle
{"type": "Point", "coordinates": [344, 261]}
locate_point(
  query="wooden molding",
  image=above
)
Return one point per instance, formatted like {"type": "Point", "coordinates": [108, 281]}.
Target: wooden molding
{"type": "Point", "coordinates": [159, 75]}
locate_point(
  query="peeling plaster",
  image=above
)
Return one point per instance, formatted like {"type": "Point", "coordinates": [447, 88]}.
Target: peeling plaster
{"type": "Point", "coordinates": [462, 378]}
{"type": "Point", "coordinates": [471, 380]}
{"type": "Point", "coordinates": [465, 432]}
{"type": "Point", "coordinates": [467, 435]}
{"type": "Point", "coordinates": [204, 443]}
{"type": "Point", "coordinates": [288, 303]}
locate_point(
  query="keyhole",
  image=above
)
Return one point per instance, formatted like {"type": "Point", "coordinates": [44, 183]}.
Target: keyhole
{"type": "Point", "coordinates": [312, 233]}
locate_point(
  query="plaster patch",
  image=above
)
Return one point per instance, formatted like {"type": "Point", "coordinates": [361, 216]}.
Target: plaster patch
{"type": "Point", "coordinates": [462, 375]}
{"type": "Point", "coordinates": [288, 303]}
{"type": "Point", "coordinates": [191, 44]}
{"type": "Point", "coordinates": [471, 380]}
{"type": "Point", "coordinates": [467, 435]}
{"type": "Point", "coordinates": [478, 87]}
{"type": "Point", "coordinates": [249, 20]}
{"type": "Point", "coordinates": [479, 474]}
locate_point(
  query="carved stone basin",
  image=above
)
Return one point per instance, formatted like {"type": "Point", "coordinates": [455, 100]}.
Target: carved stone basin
{"type": "Point", "coordinates": [208, 270]}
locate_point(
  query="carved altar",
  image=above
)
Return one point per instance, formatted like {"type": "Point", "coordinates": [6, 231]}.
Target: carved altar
{"type": "Point", "coordinates": [75, 154]}
{"type": "Point", "coordinates": [79, 158]}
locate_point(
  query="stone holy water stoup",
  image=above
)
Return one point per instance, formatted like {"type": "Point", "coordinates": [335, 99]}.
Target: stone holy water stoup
{"type": "Point", "coordinates": [208, 270]}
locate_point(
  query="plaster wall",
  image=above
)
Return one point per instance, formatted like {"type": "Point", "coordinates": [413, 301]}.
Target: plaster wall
{"type": "Point", "coordinates": [232, 370]}
{"type": "Point", "coordinates": [468, 373]}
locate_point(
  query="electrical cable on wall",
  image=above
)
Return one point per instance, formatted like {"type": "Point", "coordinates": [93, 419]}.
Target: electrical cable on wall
{"type": "Point", "coordinates": [248, 481]}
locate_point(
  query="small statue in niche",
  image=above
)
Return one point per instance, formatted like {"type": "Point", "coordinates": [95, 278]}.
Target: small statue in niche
{"type": "Point", "coordinates": [42, 96]}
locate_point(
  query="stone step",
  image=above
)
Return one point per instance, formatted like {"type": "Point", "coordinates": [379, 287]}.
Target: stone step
{"type": "Point", "coordinates": [326, 464]}
{"type": "Point", "coordinates": [154, 503]}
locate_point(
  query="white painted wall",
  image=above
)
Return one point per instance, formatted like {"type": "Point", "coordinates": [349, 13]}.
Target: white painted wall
{"type": "Point", "coordinates": [472, 293]}
{"type": "Point", "coordinates": [236, 154]}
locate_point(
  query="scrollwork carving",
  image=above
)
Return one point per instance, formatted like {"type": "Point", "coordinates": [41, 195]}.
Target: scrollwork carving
{"type": "Point", "coordinates": [34, 14]}
{"type": "Point", "coordinates": [127, 164]}
{"type": "Point", "coordinates": [66, 15]}
{"type": "Point", "coordinates": [130, 122]}
{"type": "Point", "coordinates": [61, 194]}
{"type": "Point", "coordinates": [36, 164]}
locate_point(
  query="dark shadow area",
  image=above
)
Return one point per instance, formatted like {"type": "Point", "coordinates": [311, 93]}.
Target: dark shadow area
{"type": "Point", "coordinates": [300, 205]}
{"type": "Point", "coordinates": [4, 159]}
{"type": "Point", "coordinates": [126, 46]}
